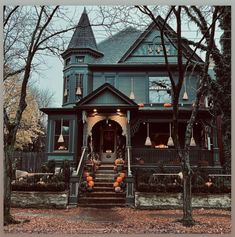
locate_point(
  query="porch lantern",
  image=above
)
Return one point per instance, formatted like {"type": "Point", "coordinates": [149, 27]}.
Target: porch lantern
{"type": "Point", "coordinates": [185, 96]}
{"type": "Point", "coordinates": [192, 142]}
{"type": "Point", "coordinates": [148, 140]}
{"type": "Point", "coordinates": [78, 91]}
{"type": "Point", "coordinates": [170, 140]}
{"type": "Point", "coordinates": [65, 92]}
{"type": "Point", "coordinates": [61, 138]}
{"type": "Point", "coordinates": [132, 95]}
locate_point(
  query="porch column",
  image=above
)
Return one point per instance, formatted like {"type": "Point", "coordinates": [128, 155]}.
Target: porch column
{"type": "Point", "coordinates": [216, 148]}
{"type": "Point", "coordinates": [130, 198]}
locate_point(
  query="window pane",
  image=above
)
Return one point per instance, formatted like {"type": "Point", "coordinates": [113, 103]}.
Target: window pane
{"type": "Point", "coordinates": [58, 145]}
{"type": "Point", "coordinates": [159, 90]}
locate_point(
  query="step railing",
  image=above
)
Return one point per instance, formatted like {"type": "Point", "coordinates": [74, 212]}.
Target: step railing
{"type": "Point", "coordinates": [128, 161]}
{"type": "Point", "coordinates": [75, 179]}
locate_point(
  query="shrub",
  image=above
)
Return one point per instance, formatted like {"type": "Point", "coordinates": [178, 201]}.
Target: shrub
{"type": "Point", "coordinates": [47, 187]}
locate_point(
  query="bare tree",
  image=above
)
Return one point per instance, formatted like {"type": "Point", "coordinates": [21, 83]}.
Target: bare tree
{"type": "Point", "coordinates": [29, 32]}
{"type": "Point", "coordinates": [208, 34]}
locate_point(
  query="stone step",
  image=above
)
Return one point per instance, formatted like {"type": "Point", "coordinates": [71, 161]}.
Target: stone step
{"type": "Point", "coordinates": [98, 200]}
{"type": "Point", "coordinates": [104, 179]}
{"type": "Point", "coordinates": [105, 175]}
{"type": "Point", "coordinates": [105, 194]}
{"type": "Point", "coordinates": [102, 205]}
{"type": "Point", "coordinates": [103, 184]}
{"type": "Point", "coordinates": [105, 171]}
{"type": "Point", "coordinates": [103, 189]}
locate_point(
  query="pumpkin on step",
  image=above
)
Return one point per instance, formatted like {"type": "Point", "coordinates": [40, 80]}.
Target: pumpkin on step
{"type": "Point", "coordinates": [119, 179]}
{"type": "Point", "coordinates": [167, 105]}
{"type": "Point", "coordinates": [122, 174]}
{"type": "Point", "coordinates": [91, 183]}
{"type": "Point", "coordinates": [89, 178]}
{"type": "Point", "coordinates": [115, 184]}
{"type": "Point", "coordinates": [117, 189]}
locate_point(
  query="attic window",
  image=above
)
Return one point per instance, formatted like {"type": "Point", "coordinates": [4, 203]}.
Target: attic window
{"type": "Point", "coordinates": [79, 59]}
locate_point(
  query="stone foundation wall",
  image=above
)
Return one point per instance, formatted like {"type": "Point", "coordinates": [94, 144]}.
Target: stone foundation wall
{"type": "Point", "coordinates": [172, 201]}
{"type": "Point", "coordinates": [26, 199]}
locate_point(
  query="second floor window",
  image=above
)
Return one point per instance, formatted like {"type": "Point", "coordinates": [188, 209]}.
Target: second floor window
{"type": "Point", "coordinates": [79, 87]}
{"type": "Point", "coordinates": [159, 90]}
{"type": "Point", "coordinates": [66, 89]}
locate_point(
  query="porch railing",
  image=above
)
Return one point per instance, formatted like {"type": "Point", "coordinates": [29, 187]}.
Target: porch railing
{"type": "Point", "coordinates": [170, 157]}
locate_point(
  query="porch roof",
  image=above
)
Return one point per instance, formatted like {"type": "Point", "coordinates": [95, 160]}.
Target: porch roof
{"type": "Point", "coordinates": [106, 97]}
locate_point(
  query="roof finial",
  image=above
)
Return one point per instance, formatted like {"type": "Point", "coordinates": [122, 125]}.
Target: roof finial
{"type": "Point", "coordinates": [84, 11]}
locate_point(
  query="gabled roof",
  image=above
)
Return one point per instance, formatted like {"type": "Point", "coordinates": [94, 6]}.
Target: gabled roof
{"type": "Point", "coordinates": [119, 46]}
{"type": "Point", "coordinates": [106, 96]}
{"type": "Point", "coordinates": [83, 36]}
{"type": "Point", "coordinates": [169, 34]}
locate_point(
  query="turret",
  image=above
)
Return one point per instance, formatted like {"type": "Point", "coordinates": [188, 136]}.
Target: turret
{"type": "Point", "coordinates": [81, 51]}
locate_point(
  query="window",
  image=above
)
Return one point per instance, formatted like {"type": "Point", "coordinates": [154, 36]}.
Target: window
{"type": "Point", "coordinates": [110, 80]}
{"type": "Point", "coordinates": [61, 145]}
{"type": "Point", "coordinates": [156, 48]}
{"type": "Point", "coordinates": [79, 59]}
{"type": "Point", "coordinates": [159, 90]}
{"type": "Point", "coordinates": [66, 89]}
{"type": "Point", "coordinates": [67, 61]}
{"type": "Point", "coordinates": [78, 92]}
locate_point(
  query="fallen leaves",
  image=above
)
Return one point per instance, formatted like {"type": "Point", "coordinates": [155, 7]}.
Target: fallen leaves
{"type": "Point", "coordinates": [118, 220]}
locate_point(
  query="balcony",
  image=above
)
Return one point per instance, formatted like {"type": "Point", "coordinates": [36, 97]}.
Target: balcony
{"type": "Point", "coordinates": [166, 156]}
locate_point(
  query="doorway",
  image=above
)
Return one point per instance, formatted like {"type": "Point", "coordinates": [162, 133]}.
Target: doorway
{"type": "Point", "coordinates": [106, 140]}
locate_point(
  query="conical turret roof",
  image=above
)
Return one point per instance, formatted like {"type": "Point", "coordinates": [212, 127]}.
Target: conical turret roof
{"type": "Point", "coordinates": [83, 36]}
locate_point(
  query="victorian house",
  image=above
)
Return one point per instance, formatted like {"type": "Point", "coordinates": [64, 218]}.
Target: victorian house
{"type": "Point", "coordinates": [117, 97]}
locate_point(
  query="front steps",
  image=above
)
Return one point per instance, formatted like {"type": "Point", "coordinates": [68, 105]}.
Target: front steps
{"type": "Point", "coordinates": [103, 194]}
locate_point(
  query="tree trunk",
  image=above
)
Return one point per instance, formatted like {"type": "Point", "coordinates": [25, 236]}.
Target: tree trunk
{"type": "Point", "coordinates": [187, 219]}
{"type": "Point", "coordinates": [8, 219]}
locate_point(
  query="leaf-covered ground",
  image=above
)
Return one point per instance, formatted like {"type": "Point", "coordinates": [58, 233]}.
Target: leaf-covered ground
{"type": "Point", "coordinates": [117, 220]}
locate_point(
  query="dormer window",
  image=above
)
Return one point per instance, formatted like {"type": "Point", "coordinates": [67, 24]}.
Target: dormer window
{"type": "Point", "coordinates": [79, 59]}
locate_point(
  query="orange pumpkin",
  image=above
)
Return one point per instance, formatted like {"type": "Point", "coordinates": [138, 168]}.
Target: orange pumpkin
{"type": "Point", "coordinates": [91, 183]}
{"type": "Point", "coordinates": [119, 179]}
{"type": "Point", "coordinates": [167, 105]}
{"type": "Point", "coordinates": [115, 184]}
{"type": "Point", "coordinates": [89, 178]}
{"type": "Point", "coordinates": [122, 175]}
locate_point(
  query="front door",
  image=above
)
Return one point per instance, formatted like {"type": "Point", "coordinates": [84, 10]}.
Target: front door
{"type": "Point", "coordinates": [108, 144]}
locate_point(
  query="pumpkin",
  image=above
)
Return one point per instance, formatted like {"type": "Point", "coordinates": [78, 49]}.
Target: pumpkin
{"type": "Point", "coordinates": [167, 105]}
{"type": "Point", "coordinates": [119, 161]}
{"type": "Point", "coordinates": [115, 184]}
{"type": "Point", "coordinates": [122, 174]}
{"type": "Point", "coordinates": [119, 179]}
{"type": "Point", "coordinates": [91, 183]}
{"type": "Point", "coordinates": [117, 189]}
{"type": "Point", "coordinates": [89, 178]}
